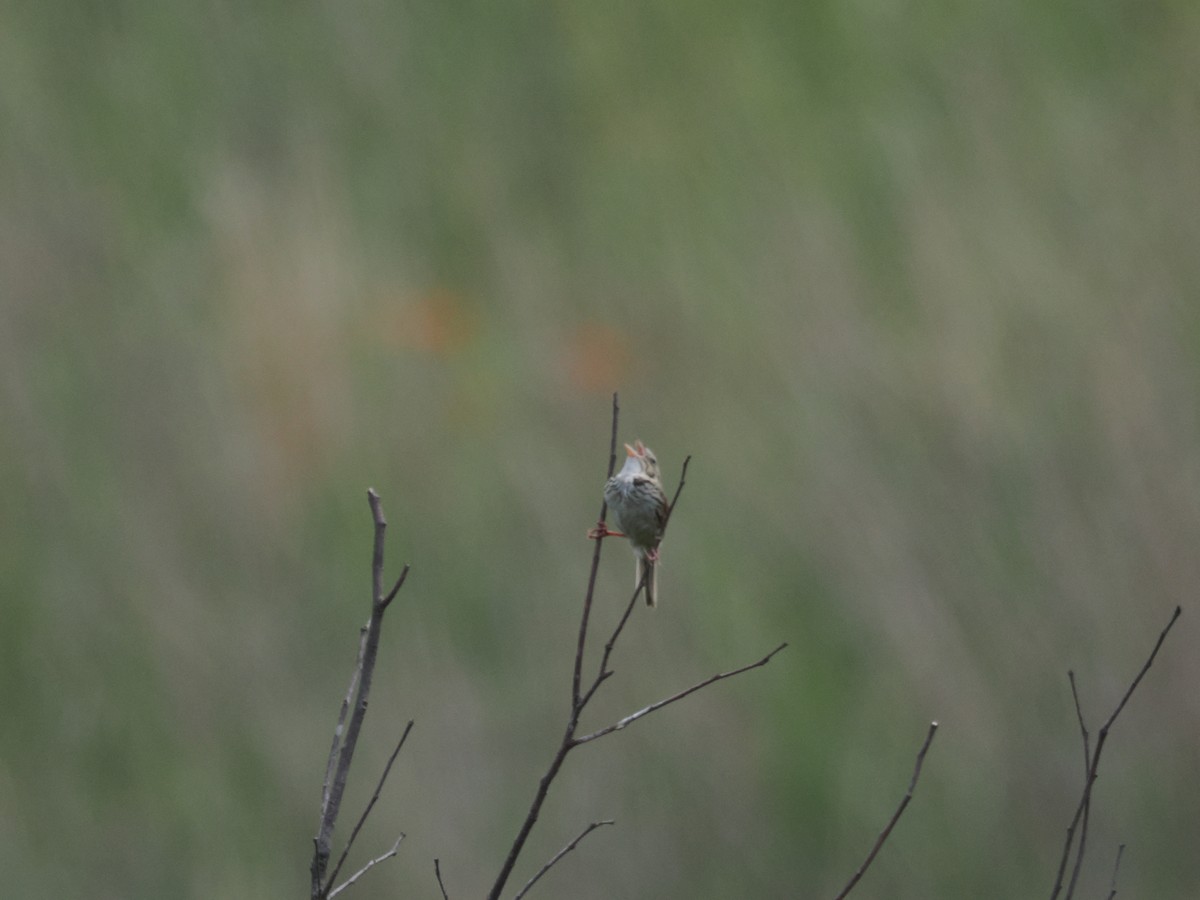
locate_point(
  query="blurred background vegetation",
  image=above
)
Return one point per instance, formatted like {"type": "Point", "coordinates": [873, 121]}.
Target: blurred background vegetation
{"type": "Point", "coordinates": [916, 285]}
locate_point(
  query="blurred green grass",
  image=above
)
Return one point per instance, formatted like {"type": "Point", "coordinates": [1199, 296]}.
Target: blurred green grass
{"type": "Point", "coordinates": [916, 287]}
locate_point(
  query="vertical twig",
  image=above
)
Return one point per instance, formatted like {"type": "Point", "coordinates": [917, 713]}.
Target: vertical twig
{"type": "Point", "coordinates": [1116, 869]}
{"type": "Point", "coordinates": [360, 687]}
{"type": "Point", "coordinates": [437, 870]}
{"type": "Point", "coordinates": [577, 675]}
{"type": "Point", "coordinates": [1087, 771]}
{"type": "Point", "coordinates": [577, 701]}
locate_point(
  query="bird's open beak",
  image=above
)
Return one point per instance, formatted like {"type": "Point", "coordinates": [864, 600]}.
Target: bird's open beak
{"type": "Point", "coordinates": [629, 451]}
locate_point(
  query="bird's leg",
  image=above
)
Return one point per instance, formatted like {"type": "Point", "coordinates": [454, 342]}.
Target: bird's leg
{"type": "Point", "coordinates": [652, 555]}
{"type": "Point", "coordinates": [602, 531]}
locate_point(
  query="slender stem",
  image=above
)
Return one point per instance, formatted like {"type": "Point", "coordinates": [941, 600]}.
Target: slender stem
{"type": "Point", "coordinates": [559, 855]}
{"type": "Point", "coordinates": [1142, 674]}
{"type": "Point", "coordinates": [654, 707]}
{"type": "Point", "coordinates": [577, 701]}
{"type": "Point", "coordinates": [678, 490]}
{"type": "Point", "coordinates": [1085, 799]}
{"type": "Point", "coordinates": [1087, 773]}
{"type": "Point", "coordinates": [604, 671]}
{"type": "Point", "coordinates": [340, 729]}
{"type": "Point", "coordinates": [370, 805]}
{"type": "Point", "coordinates": [1116, 869]}
{"type": "Point", "coordinates": [591, 585]}
{"type": "Point", "coordinates": [887, 830]}
{"type": "Point", "coordinates": [437, 870]}
{"type": "Point", "coordinates": [376, 861]}
{"type": "Point", "coordinates": [333, 792]}
{"type": "Point", "coordinates": [532, 816]}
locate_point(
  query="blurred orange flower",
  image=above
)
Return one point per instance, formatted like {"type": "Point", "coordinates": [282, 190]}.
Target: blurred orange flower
{"type": "Point", "coordinates": [437, 322]}
{"type": "Point", "coordinates": [597, 357]}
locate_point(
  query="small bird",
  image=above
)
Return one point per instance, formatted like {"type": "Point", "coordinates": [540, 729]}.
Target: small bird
{"type": "Point", "coordinates": [639, 505]}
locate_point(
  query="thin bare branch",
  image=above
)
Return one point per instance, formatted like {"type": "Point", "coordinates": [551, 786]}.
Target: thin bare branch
{"type": "Point", "coordinates": [1085, 798]}
{"type": "Point", "coordinates": [591, 585]}
{"type": "Point", "coordinates": [654, 707]}
{"type": "Point", "coordinates": [1116, 869]}
{"type": "Point", "coordinates": [340, 728]}
{"type": "Point", "coordinates": [391, 595]}
{"type": "Point", "coordinates": [343, 748]}
{"type": "Point", "coordinates": [559, 855]}
{"type": "Point", "coordinates": [1087, 753]}
{"type": "Point", "coordinates": [353, 878]}
{"type": "Point", "coordinates": [370, 804]}
{"type": "Point", "coordinates": [887, 830]}
{"type": "Point", "coordinates": [1087, 808]}
{"type": "Point", "coordinates": [437, 870]}
{"type": "Point", "coordinates": [604, 671]}
{"type": "Point", "coordinates": [679, 490]}
{"type": "Point", "coordinates": [577, 703]}
{"type": "Point", "coordinates": [1142, 674]}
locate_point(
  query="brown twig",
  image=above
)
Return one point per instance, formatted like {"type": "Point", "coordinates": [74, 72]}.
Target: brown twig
{"type": "Point", "coordinates": [579, 696]}
{"type": "Point", "coordinates": [339, 729]}
{"type": "Point", "coordinates": [678, 490]}
{"type": "Point", "coordinates": [341, 754]}
{"type": "Point", "coordinates": [437, 870]}
{"type": "Point", "coordinates": [370, 865]}
{"type": "Point", "coordinates": [1085, 798]}
{"type": "Point", "coordinates": [559, 855]}
{"type": "Point", "coordinates": [1116, 869]}
{"type": "Point", "coordinates": [1087, 807]}
{"type": "Point", "coordinates": [887, 829]}
{"type": "Point", "coordinates": [367, 810]}
{"type": "Point", "coordinates": [654, 707]}
{"type": "Point", "coordinates": [604, 671]}
{"type": "Point", "coordinates": [591, 585]}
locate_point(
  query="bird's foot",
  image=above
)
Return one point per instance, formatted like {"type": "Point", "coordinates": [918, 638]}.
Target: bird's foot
{"type": "Point", "coordinates": [602, 531]}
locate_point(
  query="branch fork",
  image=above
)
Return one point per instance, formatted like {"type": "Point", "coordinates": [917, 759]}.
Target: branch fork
{"type": "Point", "coordinates": [345, 739]}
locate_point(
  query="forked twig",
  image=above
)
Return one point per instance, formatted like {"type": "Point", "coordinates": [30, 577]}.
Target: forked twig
{"type": "Point", "coordinates": [887, 829]}
{"type": "Point", "coordinates": [370, 865]}
{"type": "Point", "coordinates": [1085, 798]}
{"type": "Point", "coordinates": [654, 707]}
{"type": "Point", "coordinates": [559, 855]}
{"type": "Point", "coordinates": [580, 696]}
{"type": "Point", "coordinates": [367, 810]}
{"type": "Point", "coordinates": [341, 753]}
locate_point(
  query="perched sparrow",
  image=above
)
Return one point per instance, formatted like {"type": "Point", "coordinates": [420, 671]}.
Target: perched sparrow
{"type": "Point", "coordinates": [639, 505]}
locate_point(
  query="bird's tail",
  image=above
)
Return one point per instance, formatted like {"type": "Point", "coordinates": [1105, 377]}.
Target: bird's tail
{"type": "Point", "coordinates": [649, 569]}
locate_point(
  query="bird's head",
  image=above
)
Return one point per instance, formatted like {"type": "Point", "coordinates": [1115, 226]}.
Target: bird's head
{"type": "Point", "coordinates": [640, 460]}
